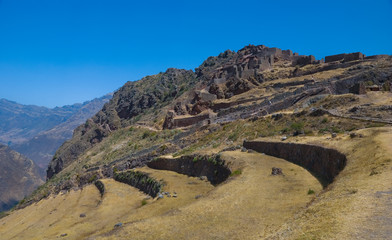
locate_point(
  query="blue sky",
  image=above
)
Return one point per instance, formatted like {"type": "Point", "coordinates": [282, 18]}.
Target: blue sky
{"type": "Point", "coordinates": [56, 52]}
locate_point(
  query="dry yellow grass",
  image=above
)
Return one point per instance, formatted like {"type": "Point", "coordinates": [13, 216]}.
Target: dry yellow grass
{"type": "Point", "coordinates": [252, 204]}
{"type": "Point", "coordinates": [358, 204]}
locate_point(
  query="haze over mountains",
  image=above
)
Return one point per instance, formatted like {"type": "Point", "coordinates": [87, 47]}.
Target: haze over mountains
{"type": "Point", "coordinates": [37, 131]}
{"type": "Point", "coordinates": [19, 176]}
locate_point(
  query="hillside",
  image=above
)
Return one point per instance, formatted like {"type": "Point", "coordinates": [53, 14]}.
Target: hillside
{"type": "Point", "coordinates": [258, 143]}
{"type": "Point", "coordinates": [43, 145]}
{"type": "Point", "coordinates": [19, 123]}
{"type": "Point", "coordinates": [19, 177]}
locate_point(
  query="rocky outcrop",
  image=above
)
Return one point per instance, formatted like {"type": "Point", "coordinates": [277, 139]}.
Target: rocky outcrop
{"type": "Point", "coordinates": [229, 74]}
{"type": "Point", "coordinates": [131, 100]}
{"type": "Point", "coordinates": [232, 73]}
{"type": "Point", "coordinates": [211, 167]}
{"type": "Point", "coordinates": [324, 163]}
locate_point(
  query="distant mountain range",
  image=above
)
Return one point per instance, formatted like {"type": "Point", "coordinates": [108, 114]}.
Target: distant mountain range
{"type": "Point", "coordinates": [37, 132]}
{"type": "Point", "coordinates": [19, 176]}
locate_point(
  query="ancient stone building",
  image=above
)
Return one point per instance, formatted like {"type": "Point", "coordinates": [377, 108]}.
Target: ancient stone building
{"type": "Point", "coordinates": [358, 88]}
{"type": "Point", "coordinates": [344, 57]}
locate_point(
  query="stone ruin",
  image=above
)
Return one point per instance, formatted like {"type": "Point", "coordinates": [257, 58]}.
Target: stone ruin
{"type": "Point", "coordinates": [259, 58]}
{"type": "Point", "coordinates": [238, 73]}
{"type": "Point", "coordinates": [345, 57]}
{"type": "Point", "coordinates": [358, 88]}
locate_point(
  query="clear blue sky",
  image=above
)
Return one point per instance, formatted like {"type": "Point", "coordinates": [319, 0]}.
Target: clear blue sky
{"type": "Point", "coordinates": [56, 52]}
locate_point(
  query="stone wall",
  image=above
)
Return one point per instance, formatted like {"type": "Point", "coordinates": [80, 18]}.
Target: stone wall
{"type": "Point", "coordinates": [324, 163]}
{"type": "Point", "coordinates": [188, 121]}
{"type": "Point", "coordinates": [344, 57]}
{"type": "Point", "coordinates": [140, 181]}
{"type": "Point", "coordinates": [358, 88]}
{"type": "Point", "coordinates": [304, 60]}
{"type": "Point", "coordinates": [194, 165]}
{"type": "Point", "coordinates": [100, 186]}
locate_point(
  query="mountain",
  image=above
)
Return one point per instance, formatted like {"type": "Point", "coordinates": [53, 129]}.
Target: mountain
{"type": "Point", "coordinates": [133, 99]}
{"type": "Point", "coordinates": [42, 146]}
{"type": "Point", "coordinates": [260, 143]}
{"type": "Point", "coordinates": [19, 177]}
{"type": "Point", "coordinates": [19, 123]}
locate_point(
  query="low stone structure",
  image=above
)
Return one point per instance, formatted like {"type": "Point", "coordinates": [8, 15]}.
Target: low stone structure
{"type": "Point", "coordinates": [304, 60]}
{"type": "Point", "coordinates": [324, 163]}
{"type": "Point", "coordinates": [344, 57]}
{"type": "Point", "coordinates": [212, 167]}
{"type": "Point", "coordinates": [373, 88]}
{"type": "Point", "coordinates": [358, 88]}
{"type": "Point", "coordinates": [171, 121]}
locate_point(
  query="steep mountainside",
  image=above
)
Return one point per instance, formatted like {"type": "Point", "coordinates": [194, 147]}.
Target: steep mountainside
{"type": "Point", "coordinates": [133, 99]}
{"type": "Point", "coordinates": [42, 146]}
{"type": "Point", "coordinates": [189, 141]}
{"type": "Point", "coordinates": [19, 176]}
{"type": "Point", "coordinates": [267, 79]}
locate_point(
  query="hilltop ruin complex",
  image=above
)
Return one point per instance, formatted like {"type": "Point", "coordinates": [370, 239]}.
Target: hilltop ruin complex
{"type": "Point", "coordinates": [233, 73]}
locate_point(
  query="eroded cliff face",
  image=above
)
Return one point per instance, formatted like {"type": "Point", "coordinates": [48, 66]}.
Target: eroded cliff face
{"type": "Point", "coordinates": [324, 163]}
{"type": "Point", "coordinates": [130, 101]}
{"type": "Point", "coordinates": [19, 176]}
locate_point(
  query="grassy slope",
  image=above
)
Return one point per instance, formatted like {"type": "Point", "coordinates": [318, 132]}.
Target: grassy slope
{"type": "Point", "coordinates": [343, 208]}
{"type": "Point", "coordinates": [252, 203]}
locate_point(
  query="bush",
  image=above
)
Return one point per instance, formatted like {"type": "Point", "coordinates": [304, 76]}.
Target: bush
{"type": "Point", "coordinates": [285, 130]}
{"type": "Point", "coordinates": [310, 191]}
{"type": "Point", "coordinates": [233, 136]}
{"type": "Point", "coordinates": [297, 126]}
{"type": "Point", "coordinates": [145, 135]}
{"type": "Point", "coordinates": [236, 172]}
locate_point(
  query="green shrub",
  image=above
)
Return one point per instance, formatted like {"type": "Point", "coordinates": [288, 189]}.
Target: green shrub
{"type": "Point", "coordinates": [233, 136]}
{"type": "Point", "coordinates": [335, 129]}
{"type": "Point", "coordinates": [92, 178]}
{"type": "Point", "coordinates": [285, 130]}
{"type": "Point", "coordinates": [144, 202]}
{"type": "Point", "coordinates": [310, 191]}
{"type": "Point", "coordinates": [308, 132]}
{"type": "Point", "coordinates": [146, 134]}
{"type": "Point", "coordinates": [297, 126]}
{"type": "Point", "coordinates": [323, 130]}
{"type": "Point", "coordinates": [236, 172]}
